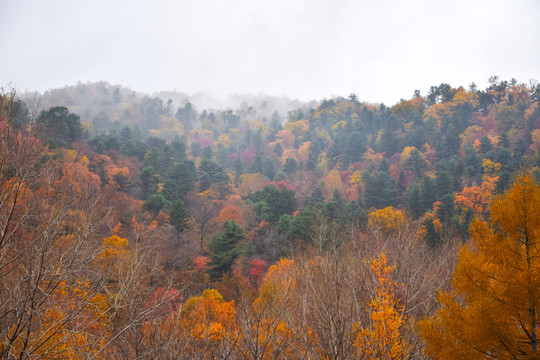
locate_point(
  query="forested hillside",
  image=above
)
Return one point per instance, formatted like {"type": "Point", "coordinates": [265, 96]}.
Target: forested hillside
{"type": "Point", "coordinates": [149, 227]}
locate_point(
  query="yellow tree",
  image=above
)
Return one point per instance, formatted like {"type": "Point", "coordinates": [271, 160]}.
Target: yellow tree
{"type": "Point", "coordinates": [390, 221]}
{"type": "Point", "coordinates": [383, 339]}
{"type": "Point", "coordinates": [493, 308]}
{"type": "Point", "coordinates": [211, 323]}
{"type": "Point", "coordinates": [85, 333]}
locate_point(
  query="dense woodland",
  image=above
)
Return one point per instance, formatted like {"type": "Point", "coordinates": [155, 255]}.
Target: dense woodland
{"type": "Point", "coordinates": [143, 227]}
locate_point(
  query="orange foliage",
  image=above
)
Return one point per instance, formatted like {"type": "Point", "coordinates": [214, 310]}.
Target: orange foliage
{"type": "Point", "coordinates": [211, 323]}
{"type": "Point", "coordinates": [383, 339]}
{"type": "Point", "coordinates": [492, 310]}
{"type": "Point", "coordinates": [477, 198]}
{"type": "Point", "coordinates": [407, 107]}
{"type": "Point", "coordinates": [74, 322]}
{"type": "Point", "coordinates": [231, 213]}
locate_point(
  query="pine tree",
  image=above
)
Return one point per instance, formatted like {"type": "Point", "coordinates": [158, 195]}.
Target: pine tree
{"type": "Point", "coordinates": [178, 216]}
{"type": "Point", "coordinates": [225, 248]}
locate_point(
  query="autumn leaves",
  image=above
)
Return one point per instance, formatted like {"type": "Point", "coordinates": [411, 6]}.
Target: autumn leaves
{"type": "Point", "coordinates": [493, 307]}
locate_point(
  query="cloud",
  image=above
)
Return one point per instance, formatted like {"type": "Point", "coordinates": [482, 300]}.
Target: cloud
{"type": "Point", "coordinates": [381, 50]}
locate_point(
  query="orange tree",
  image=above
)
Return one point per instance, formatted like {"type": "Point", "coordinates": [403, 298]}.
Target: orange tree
{"type": "Point", "coordinates": [492, 310]}
{"type": "Point", "coordinates": [212, 325]}
{"type": "Point", "coordinates": [383, 338]}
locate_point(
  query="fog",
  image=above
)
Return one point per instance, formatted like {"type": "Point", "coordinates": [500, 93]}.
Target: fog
{"type": "Point", "coordinates": [305, 50]}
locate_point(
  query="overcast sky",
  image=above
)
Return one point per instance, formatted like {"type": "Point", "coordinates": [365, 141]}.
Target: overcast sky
{"type": "Point", "coordinates": [380, 50]}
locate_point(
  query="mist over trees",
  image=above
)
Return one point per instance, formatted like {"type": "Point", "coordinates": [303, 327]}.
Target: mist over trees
{"type": "Point", "coordinates": [168, 226]}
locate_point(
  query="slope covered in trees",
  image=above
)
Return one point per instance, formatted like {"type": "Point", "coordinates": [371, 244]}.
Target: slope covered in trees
{"type": "Point", "coordinates": [140, 227]}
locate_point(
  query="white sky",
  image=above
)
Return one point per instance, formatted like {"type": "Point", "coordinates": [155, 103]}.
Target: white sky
{"type": "Point", "coordinates": [381, 50]}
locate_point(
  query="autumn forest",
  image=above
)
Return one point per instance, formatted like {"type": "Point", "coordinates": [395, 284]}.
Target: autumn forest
{"type": "Point", "coordinates": [151, 227]}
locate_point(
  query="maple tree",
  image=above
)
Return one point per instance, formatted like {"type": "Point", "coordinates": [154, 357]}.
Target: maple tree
{"type": "Point", "coordinates": [493, 307]}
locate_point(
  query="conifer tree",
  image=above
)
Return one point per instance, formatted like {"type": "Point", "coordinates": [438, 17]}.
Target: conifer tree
{"type": "Point", "coordinates": [493, 308]}
{"type": "Point", "coordinates": [225, 248]}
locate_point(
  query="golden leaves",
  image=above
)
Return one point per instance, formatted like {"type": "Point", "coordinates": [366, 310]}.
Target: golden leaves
{"type": "Point", "coordinates": [383, 340]}
{"type": "Point", "coordinates": [390, 221]}
{"type": "Point", "coordinates": [492, 309]}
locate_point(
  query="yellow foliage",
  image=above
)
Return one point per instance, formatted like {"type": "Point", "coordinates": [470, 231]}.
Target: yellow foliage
{"type": "Point", "coordinates": [490, 168]}
{"type": "Point", "coordinates": [430, 217]}
{"type": "Point", "coordinates": [203, 134]}
{"type": "Point", "coordinates": [224, 140]}
{"type": "Point", "coordinates": [322, 165]}
{"type": "Point", "coordinates": [298, 127]}
{"type": "Point", "coordinates": [388, 220]}
{"type": "Point", "coordinates": [113, 247]}
{"type": "Point", "coordinates": [339, 125]}
{"type": "Point", "coordinates": [84, 161]}
{"type": "Point", "coordinates": [471, 133]}
{"type": "Point", "coordinates": [438, 112]}
{"type": "Point", "coordinates": [168, 128]}
{"type": "Point", "coordinates": [406, 107]}
{"type": "Point", "coordinates": [210, 321]}
{"type": "Point", "coordinates": [406, 153]}
{"type": "Point", "coordinates": [72, 326]}
{"type": "Point", "coordinates": [356, 178]}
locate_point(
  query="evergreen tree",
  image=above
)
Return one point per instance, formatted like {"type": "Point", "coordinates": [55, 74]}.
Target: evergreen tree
{"type": "Point", "coordinates": [270, 203]}
{"type": "Point", "coordinates": [154, 203]}
{"type": "Point", "coordinates": [380, 190]}
{"type": "Point", "coordinates": [185, 176]}
{"type": "Point", "coordinates": [269, 169]}
{"type": "Point", "coordinates": [224, 249]}
{"type": "Point", "coordinates": [290, 166]}
{"type": "Point", "coordinates": [149, 181]}
{"type": "Point", "coordinates": [412, 200]}
{"type": "Point", "coordinates": [60, 127]}
{"type": "Point", "coordinates": [238, 168]}
{"type": "Point", "coordinates": [428, 193]}
{"type": "Point", "coordinates": [178, 216]}
{"type": "Point", "coordinates": [208, 152]}
{"type": "Point", "coordinates": [444, 184]}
